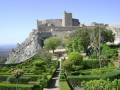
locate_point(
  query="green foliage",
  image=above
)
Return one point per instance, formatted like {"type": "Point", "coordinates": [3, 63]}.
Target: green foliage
{"type": "Point", "coordinates": [17, 73]}
{"type": "Point", "coordinates": [39, 63]}
{"type": "Point", "coordinates": [64, 85]}
{"type": "Point", "coordinates": [84, 37]}
{"type": "Point", "coordinates": [74, 62]}
{"type": "Point", "coordinates": [95, 74]}
{"type": "Point", "coordinates": [78, 40]}
{"type": "Point", "coordinates": [93, 63]}
{"type": "Point", "coordinates": [52, 43]}
{"type": "Point", "coordinates": [42, 81]}
{"type": "Point", "coordinates": [22, 80]}
{"type": "Point", "coordinates": [102, 85]}
{"type": "Point", "coordinates": [37, 72]}
{"type": "Point", "coordinates": [44, 55]}
{"type": "Point", "coordinates": [108, 52]}
{"type": "Point", "coordinates": [67, 65]}
{"type": "Point", "coordinates": [8, 86]}
{"type": "Point", "coordinates": [75, 57]}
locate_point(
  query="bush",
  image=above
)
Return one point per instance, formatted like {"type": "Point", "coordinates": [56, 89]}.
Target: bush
{"type": "Point", "coordinates": [67, 65]}
{"type": "Point", "coordinates": [75, 57]}
{"type": "Point", "coordinates": [42, 81]}
{"type": "Point", "coordinates": [74, 62]}
{"type": "Point", "coordinates": [102, 85]}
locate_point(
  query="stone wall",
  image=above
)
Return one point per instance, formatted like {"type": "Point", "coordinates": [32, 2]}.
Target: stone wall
{"type": "Point", "coordinates": [55, 22]}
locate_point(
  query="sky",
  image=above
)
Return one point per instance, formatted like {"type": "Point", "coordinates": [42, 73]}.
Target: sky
{"type": "Point", "coordinates": [18, 17]}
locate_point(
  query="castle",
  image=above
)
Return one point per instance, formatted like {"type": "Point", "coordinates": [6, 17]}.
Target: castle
{"type": "Point", "coordinates": [45, 29]}
{"type": "Point", "coordinates": [67, 21]}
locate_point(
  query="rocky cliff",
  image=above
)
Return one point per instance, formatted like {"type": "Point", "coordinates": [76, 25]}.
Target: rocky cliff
{"type": "Point", "coordinates": [28, 48]}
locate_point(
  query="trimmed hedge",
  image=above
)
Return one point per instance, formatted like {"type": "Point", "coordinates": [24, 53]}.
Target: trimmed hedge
{"type": "Point", "coordinates": [7, 86]}
{"type": "Point", "coordinates": [3, 77]}
{"type": "Point", "coordinates": [109, 75]}
{"type": "Point", "coordinates": [90, 64]}
{"type": "Point", "coordinates": [22, 80]}
{"type": "Point", "coordinates": [102, 85]}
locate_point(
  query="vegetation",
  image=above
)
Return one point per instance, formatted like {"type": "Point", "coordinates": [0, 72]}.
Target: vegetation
{"type": "Point", "coordinates": [74, 62]}
{"type": "Point", "coordinates": [102, 85]}
{"type": "Point", "coordinates": [52, 43]}
{"type": "Point", "coordinates": [87, 39]}
{"type": "Point", "coordinates": [89, 64]}
{"type": "Point", "coordinates": [88, 70]}
{"type": "Point", "coordinates": [64, 85]}
{"type": "Point", "coordinates": [32, 74]}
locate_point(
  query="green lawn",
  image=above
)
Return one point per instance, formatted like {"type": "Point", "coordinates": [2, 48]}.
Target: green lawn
{"type": "Point", "coordinates": [64, 85]}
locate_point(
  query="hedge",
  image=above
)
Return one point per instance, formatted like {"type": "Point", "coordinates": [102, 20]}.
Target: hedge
{"type": "Point", "coordinates": [22, 80]}
{"type": "Point", "coordinates": [102, 85]}
{"type": "Point", "coordinates": [111, 75]}
{"type": "Point", "coordinates": [3, 77]}
{"type": "Point", "coordinates": [7, 86]}
{"type": "Point", "coordinates": [87, 64]}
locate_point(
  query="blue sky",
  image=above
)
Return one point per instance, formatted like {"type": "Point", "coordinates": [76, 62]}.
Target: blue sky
{"type": "Point", "coordinates": [18, 17]}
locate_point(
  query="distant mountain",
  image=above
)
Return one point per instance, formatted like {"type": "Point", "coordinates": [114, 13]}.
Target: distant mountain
{"type": "Point", "coordinates": [5, 49]}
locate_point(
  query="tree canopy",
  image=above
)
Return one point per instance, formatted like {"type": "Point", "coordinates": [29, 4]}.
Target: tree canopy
{"type": "Point", "coordinates": [84, 38]}
{"type": "Point", "coordinates": [52, 43]}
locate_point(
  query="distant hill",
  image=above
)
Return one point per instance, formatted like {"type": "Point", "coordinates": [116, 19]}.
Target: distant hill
{"type": "Point", "coordinates": [5, 49]}
{"type": "Point", "coordinates": [4, 52]}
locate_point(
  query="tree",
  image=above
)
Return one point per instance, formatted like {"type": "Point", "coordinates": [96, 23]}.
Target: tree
{"type": "Point", "coordinates": [52, 43]}
{"type": "Point", "coordinates": [79, 40]}
{"type": "Point", "coordinates": [87, 38]}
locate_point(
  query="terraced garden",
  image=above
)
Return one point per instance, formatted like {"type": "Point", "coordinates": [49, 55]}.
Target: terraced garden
{"type": "Point", "coordinates": [34, 74]}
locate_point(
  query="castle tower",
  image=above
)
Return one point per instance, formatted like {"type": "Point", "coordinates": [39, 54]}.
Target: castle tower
{"type": "Point", "coordinates": [67, 19]}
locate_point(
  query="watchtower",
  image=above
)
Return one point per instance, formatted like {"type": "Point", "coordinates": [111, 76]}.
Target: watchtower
{"type": "Point", "coordinates": [67, 19]}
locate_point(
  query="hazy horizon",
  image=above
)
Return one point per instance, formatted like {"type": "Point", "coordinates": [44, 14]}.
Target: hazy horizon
{"type": "Point", "coordinates": [18, 17]}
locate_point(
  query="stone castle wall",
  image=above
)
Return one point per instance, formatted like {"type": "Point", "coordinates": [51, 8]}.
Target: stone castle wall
{"type": "Point", "coordinates": [65, 22]}
{"type": "Point", "coordinates": [55, 22]}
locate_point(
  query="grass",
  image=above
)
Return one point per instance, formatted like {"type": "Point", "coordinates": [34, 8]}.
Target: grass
{"type": "Point", "coordinates": [64, 85]}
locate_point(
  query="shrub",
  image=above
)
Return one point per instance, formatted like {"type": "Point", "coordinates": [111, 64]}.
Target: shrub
{"type": "Point", "coordinates": [102, 85]}
{"type": "Point", "coordinates": [67, 65]}
{"type": "Point", "coordinates": [75, 57]}
{"type": "Point", "coordinates": [74, 62]}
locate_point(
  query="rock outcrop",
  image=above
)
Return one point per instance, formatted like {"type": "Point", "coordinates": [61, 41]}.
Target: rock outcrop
{"type": "Point", "coordinates": [28, 48]}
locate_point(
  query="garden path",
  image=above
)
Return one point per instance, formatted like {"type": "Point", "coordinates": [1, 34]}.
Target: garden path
{"type": "Point", "coordinates": [54, 84]}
